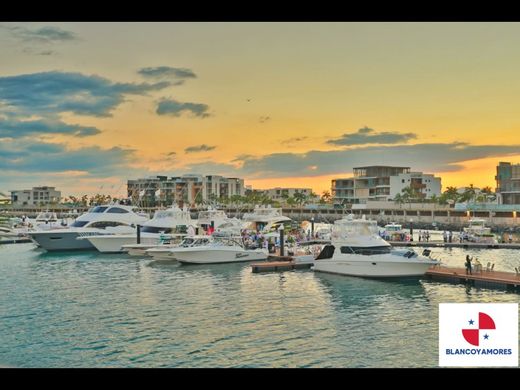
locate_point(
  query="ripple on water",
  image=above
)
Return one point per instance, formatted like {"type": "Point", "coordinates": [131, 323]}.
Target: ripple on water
{"type": "Point", "coordinates": [93, 310]}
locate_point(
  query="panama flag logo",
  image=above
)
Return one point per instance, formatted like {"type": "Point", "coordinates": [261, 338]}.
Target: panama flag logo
{"type": "Point", "coordinates": [485, 322]}
{"type": "Point", "coordinates": [478, 334]}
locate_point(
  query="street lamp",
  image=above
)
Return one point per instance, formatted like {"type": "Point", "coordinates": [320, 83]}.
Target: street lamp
{"type": "Point", "coordinates": [312, 227]}
{"type": "Point", "coordinates": [281, 229]}
{"type": "Point", "coordinates": [411, 229]}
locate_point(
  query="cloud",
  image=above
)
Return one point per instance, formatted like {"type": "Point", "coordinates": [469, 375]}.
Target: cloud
{"type": "Point", "coordinates": [438, 157]}
{"type": "Point", "coordinates": [27, 156]}
{"type": "Point", "coordinates": [367, 135]}
{"type": "Point", "coordinates": [51, 93]}
{"type": "Point", "coordinates": [171, 154]}
{"type": "Point", "coordinates": [167, 72]}
{"type": "Point", "coordinates": [199, 148]}
{"type": "Point", "coordinates": [16, 128]}
{"type": "Point", "coordinates": [47, 34]}
{"type": "Point", "coordinates": [264, 119]}
{"type": "Point", "coordinates": [175, 108]}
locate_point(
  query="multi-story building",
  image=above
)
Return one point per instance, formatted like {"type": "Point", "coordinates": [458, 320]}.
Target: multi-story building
{"type": "Point", "coordinates": [508, 183]}
{"type": "Point", "coordinates": [280, 193]}
{"type": "Point", "coordinates": [186, 189]}
{"type": "Point", "coordinates": [381, 183]}
{"type": "Point", "coordinates": [425, 184]}
{"type": "Point", "coordinates": [38, 196]}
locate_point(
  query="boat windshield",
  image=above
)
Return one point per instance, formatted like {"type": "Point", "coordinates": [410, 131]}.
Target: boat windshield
{"type": "Point", "coordinates": [368, 251]}
{"type": "Point", "coordinates": [79, 223]}
{"type": "Point", "coordinates": [363, 227]}
{"type": "Point", "coordinates": [98, 209]}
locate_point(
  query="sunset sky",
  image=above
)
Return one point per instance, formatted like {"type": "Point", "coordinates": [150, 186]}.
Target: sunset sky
{"type": "Point", "coordinates": [86, 106]}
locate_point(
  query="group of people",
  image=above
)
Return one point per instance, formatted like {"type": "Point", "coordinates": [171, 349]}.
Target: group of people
{"type": "Point", "coordinates": [424, 235]}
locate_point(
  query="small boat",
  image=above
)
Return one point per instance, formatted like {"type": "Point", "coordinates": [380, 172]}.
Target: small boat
{"type": "Point", "coordinates": [221, 250]}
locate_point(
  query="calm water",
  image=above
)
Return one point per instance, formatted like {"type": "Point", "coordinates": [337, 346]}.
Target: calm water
{"type": "Point", "coordinates": [93, 310]}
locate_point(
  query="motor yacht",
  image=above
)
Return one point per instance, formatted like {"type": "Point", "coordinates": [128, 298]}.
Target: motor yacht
{"type": "Point", "coordinates": [357, 249]}
{"type": "Point", "coordinates": [105, 219]}
{"type": "Point", "coordinates": [153, 232]}
{"type": "Point", "coordinates": [478, 232]}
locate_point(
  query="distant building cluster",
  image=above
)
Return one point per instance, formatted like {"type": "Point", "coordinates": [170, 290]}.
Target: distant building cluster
{"type": "Point", "coordinates": [382, 183]}
{"type": "Point", "coordinates": [38, 196]}
{"type": "Point", "coordinates": [186, 189]}
{"type": "Point", "coordinates": [369, 183]}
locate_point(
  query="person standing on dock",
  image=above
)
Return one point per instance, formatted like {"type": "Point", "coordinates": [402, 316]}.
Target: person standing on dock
{"type": "Point", "coordinates": [510, 237]}
{"type": "Point", "coordinates": [451, 236]}
{"type": "Point", "coordinates": [445, 236]}
{"type": "Point", "coordinates": [468, 265]}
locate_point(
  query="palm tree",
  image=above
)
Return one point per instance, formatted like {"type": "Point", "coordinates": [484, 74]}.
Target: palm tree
{"type": "Point", "coordinates": [326, 197]}
{"type": "Point", "coordinates": [300, 198]}
{"type": "Point", "coordinates": [398, 199]}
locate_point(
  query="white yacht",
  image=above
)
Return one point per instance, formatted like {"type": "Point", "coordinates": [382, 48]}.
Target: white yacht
{"type": "Point", "coordinates": [478, 232]}
{"type": "Point", "coordinates": [98, 220]}
{"type": "Point", "coordinates": [167, 251]}
{"type": "Point", "coordinates": [221, 250]}
{"type": "Point", "coordinates": [357, 249]}
{"type": "Point", "coordinates": [153, 232]}
{"type": "Point", "coordinates": [264, 219]}
{"type": "Point", "coordinates": [394, 232]}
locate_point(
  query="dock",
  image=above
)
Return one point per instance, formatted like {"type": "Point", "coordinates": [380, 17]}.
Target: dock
{"type": "Point", "coordinates": [15, 241]}
{"type": "Point", "coordinates": [278, 263]}
{"type": "Point", "coordinates": [465, 245]}
{"type": "Point", "coordinates": [490, 279]}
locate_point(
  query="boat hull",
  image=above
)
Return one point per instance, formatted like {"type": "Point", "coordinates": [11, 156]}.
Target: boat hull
{"type": "Point", "coordinates": [60, 241]}
{"type": "Point", "coordinates": [218, 255]}
{"type": "Point", "coordinates": [375, 267]}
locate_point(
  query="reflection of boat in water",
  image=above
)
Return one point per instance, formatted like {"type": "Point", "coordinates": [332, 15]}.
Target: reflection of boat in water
{"type": "Point", "coordinates": [478, 232]}
{"type": "Point", "coordinates": [358, 250]}
{"type": "Point", "coordinates": [356, 291]}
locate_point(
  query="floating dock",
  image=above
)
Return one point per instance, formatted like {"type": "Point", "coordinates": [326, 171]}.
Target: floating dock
{"type": "Point", "coordinates": [15, 241]}
{"type": "Point", "coordinates": [465, 245]}
{"type": "Point", "coordinates": [278, 263]}
{"type": "Point", "coordinates": [490, 279]}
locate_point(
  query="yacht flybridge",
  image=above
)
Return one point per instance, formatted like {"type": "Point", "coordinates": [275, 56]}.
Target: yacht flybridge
{"type": "Point", "coordinates": [264, 219]}
{"type": "Point", "coordinates": [98, 220]}
{"type": "Point", "coordinates": [357, 249]}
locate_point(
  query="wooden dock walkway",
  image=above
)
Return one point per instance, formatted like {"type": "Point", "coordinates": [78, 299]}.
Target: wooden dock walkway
{"type": "Point", "coordinates": [465, 245]}
{"type": "Point", "coordinates": [493, 279]}
{"type": "Point", "coordinates": [278, 263]}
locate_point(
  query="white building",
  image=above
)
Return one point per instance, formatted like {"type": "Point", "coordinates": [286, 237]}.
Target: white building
{"type": "Point", "coordinates": [280, 193]}
{"type": "Point", "coordinates": [424, 183]}
{"type": "Point", "coordinates": [382, 183]}
{"type": "Point", "coordinates": [36, 197]}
